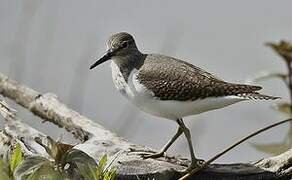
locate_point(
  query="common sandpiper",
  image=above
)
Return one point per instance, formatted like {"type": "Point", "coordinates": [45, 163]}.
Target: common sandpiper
{"type": "Point", "coordinates": [170, 88]}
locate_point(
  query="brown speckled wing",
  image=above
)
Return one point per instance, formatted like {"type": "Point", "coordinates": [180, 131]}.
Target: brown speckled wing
{"type": "Point", "coordinates": [172, 79]}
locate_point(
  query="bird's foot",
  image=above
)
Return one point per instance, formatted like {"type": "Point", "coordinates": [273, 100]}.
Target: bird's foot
{"type": "Point", "coordinates": [145, 153]}
{"type": "Point", "coordinates": [153, 155]}
{"type": "Point", "coordinates": [195, 164]}
{"type": "Point", "coordinates": [141, 151]}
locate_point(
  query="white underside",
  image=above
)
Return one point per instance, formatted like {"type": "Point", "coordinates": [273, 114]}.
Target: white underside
{"type": "Point", "coordinates": [170, 109]}
{"type": "Point", "coordinates": [178, 109]}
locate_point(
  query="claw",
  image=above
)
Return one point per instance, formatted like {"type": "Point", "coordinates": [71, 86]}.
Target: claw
{"type": "Point", "coordinates": [140, 151]}
{"type": "Point", "coordinates": [196, 164]}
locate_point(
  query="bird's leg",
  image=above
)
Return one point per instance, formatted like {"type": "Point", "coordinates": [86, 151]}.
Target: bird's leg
{"type": "Point", "coordinates": [166, 146]}
{"type": "Point", "coordinates": [187, 133]}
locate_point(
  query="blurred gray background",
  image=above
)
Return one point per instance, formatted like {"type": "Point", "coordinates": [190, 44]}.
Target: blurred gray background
{"type": "Point", "coordinates": [49, 46]}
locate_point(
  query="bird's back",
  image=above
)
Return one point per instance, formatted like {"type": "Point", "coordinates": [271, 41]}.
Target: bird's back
{"type": "Point", "coordinates": [173, 79]}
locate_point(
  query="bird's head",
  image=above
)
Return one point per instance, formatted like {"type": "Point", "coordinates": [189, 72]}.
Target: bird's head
{"type": "Point", "coordinates": [119, 45]}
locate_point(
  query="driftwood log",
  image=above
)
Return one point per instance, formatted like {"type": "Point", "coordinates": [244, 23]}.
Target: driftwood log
{"type": "Point", "coordinates": [97, 141]}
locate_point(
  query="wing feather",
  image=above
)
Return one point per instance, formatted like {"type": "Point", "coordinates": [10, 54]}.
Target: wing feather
{"type": "Point", "coordinates": [172, 79]}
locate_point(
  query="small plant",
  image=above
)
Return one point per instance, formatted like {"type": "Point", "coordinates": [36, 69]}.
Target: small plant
{"type": "Point", "coordinates": [9, 162]}
{"type": "Point", "coordinates": [284, 50]}
{"type": "Point", "coordinates": [64, 163]}
{"type": "Point", "coordinates": [102, 171]}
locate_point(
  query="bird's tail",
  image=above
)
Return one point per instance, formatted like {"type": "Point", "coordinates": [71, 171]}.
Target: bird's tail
{"type": "Point", "coordinates": [257, 96]}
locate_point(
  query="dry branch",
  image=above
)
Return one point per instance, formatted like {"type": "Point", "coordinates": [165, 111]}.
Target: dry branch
{"type": "Point", "coordinates": [98, 141]}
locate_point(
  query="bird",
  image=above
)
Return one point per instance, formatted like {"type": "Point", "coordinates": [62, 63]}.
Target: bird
{"type": "Point", "coordinates": [170, 88]}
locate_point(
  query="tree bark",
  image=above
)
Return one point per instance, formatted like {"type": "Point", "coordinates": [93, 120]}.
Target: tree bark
{"type": "Point", "coordinates": [97, 141]}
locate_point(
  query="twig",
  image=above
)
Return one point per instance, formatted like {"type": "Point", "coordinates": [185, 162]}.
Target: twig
{"type": "Point", "coordinates": [231, 147]}
{"type": "Point", "coordinates": [262, 76]}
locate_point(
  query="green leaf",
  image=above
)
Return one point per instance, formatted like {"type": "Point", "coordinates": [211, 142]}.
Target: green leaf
{"type": "Point", "coordinates": [16, 157]}
{"type": "Point", "coordinates": [79, 162]}
{"type": "Point", "coordinates": [29, 165]}
{"type": "Point", "coordinates": [45, 172]}
{"type": "Point", "coordinates": [4, 173]}
{"type": "Point", "coordinates": [109, 164]}
{"type": "Point", "coordinates": [138, 177]}
{"type": "Point", "coordinates": [76, 156]}
{"type": "Point", "coordinates": [100, 168]}
{"type": "Point", "coordinates": [88, 172]}
{"type": "Point", "coordinates": [104, 171]}
{"type": "Point", "coordinates": [102, 162]}
{"type": "Point", "coordinates": [110, 174]}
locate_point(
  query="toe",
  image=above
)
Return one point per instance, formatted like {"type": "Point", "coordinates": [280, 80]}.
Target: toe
{"type": "Point", "coordinates": [156, 155]}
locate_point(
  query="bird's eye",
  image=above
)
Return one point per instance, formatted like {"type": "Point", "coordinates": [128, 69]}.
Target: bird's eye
{"type": "Point", "coordinates": [125, 44]}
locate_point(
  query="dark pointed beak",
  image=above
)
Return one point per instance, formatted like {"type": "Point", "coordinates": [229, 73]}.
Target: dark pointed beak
{"type": "Point", "coordinates": [109, 54]}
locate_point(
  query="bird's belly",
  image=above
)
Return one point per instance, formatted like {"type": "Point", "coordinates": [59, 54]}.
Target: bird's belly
{"type": "Point", "coordinates": [177, 109]}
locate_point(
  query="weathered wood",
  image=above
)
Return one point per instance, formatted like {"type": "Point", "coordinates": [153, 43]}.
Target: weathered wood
{"type": "Point", "coordinates": [98, 141]}
{"type": "Point", "coordinates": [17, 132]}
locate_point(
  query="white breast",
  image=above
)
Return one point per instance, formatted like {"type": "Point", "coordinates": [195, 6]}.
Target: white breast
{"type": "Point", "coordinates": [131, 89]}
